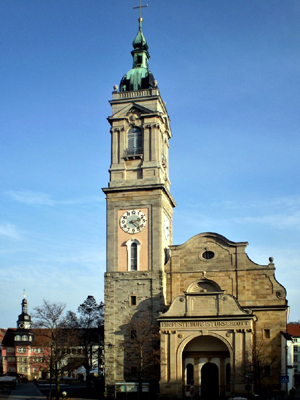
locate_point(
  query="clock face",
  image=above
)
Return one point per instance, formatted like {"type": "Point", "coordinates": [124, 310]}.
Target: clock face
{"type": "Point", "coordinates": [133, 221]}
{"type": "Point", "coordinates": [166, 227]}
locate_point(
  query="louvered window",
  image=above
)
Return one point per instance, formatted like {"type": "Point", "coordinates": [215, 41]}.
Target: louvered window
{"type": "Point", "coordinates": [134, 141]}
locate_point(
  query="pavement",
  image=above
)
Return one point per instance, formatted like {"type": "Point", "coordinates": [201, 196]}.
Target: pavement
{"type": "Point", "coordinates": [23, 391]}
{"type": "Point", "coordinates": [28, 391]}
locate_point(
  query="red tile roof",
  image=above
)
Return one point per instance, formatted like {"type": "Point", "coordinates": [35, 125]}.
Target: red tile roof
{"type": "Point", "coordinates": [2, 333]}
{"type": "Point", "coordinates": [294, 329]}
{"type": "Point", "coordinates": [40, 338]}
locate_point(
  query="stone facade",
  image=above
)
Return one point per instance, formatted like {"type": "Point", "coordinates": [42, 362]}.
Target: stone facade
{"type": "Point", "coordinates": [220, 314]}
{"type": "Point", "coordinates": [137, 183]}
{"type": "Point", "coordinates": [215, 291]}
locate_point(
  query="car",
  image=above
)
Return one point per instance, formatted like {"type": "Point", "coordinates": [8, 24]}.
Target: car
{"type": "Point", "coordinates": [8, 382]}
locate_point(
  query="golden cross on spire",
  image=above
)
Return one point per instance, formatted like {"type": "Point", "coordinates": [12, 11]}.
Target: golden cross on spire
{"type": "Point", "coordinates": [140, 7]}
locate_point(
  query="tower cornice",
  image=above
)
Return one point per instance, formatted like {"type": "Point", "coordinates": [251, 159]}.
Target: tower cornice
{"type": "Point", "coordinates": [130, 188]}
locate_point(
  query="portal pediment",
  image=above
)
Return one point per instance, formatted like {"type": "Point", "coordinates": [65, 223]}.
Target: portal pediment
{"type": "Point", "coordinates": [204, 298]}
{"type": "Point", "coordinates": [132, 109]}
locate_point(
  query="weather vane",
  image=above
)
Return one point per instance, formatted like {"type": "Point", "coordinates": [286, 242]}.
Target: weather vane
{"type": "Point", "coordinates": [140, 7]}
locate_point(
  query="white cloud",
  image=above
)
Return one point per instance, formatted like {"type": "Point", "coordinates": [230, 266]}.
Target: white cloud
{"type": "Point", "coordinates": [32, 198]}
{"type": "Point", "coordinates": [44, 199]}
{"type": "Point", "coordinates": [280, 221]}
{"type": "Point", "coordinates": [9, 231]}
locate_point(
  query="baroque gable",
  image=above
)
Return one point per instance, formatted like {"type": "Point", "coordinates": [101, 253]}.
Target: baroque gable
{"type": "Point", "coordinates": [204, 298]}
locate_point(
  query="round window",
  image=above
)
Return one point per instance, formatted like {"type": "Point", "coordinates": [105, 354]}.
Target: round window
{"type": "Point", "coordinates": [208, 255]}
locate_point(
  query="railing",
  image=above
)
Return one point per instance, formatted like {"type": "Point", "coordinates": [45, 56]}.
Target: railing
{"type": "Point", "coordinates": [127, 154]}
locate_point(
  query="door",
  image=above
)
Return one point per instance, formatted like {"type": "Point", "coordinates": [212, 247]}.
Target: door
{"type": "Point", "coordinates": [209, 381]}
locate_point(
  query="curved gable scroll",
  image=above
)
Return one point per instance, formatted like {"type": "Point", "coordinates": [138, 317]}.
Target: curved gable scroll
{"type": "Point", "coordinates": [204, 286]}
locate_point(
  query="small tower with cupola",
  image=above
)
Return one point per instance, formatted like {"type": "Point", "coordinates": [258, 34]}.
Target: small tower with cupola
{"type": "Point", "coordinates": [23, 335]}
{"type": "Point", "coordinates": [24, 319]}
{"type": "Point", "coordinates": [139, 207]}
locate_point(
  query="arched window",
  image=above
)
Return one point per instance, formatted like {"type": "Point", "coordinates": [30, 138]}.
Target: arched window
{"type": "Point", "coordinates": [133, 260]}
{"type": "Point", "coordinates": [227, 370]}
{"type": "Point", "coordinates": [17, 338]}
{"type": "Point", "coordinates": [24, 337]}
{"type": "Point", "coordinates": [134, 141]}
{"type": "Point", "coordinates": [133, 248]}
{"type": "Point", "coordinates": [190, 374]}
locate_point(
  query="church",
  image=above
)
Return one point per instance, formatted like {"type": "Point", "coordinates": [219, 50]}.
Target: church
{"type": "Point", "coordinates": [219, 316]}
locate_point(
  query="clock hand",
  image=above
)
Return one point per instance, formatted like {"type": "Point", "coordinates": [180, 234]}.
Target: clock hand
{"type": "Point", "coordinates": [135, 223]}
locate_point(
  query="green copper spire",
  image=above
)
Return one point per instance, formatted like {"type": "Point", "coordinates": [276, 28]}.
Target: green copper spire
{"type": "Point", "coordinates": [139, 77]}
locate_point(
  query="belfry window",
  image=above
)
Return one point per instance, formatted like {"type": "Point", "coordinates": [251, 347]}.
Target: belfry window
{"type": "Point", "coordinates": [134, 141]}
{"type": "Point", "coordinates": [133, 249]}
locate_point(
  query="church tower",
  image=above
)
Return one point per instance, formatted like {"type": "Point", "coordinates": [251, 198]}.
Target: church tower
{"type": "Point", "coordinates": [139, 207]}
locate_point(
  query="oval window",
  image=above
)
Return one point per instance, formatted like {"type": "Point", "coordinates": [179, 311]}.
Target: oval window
{"type": "Point", "coordinates": [208, 255]}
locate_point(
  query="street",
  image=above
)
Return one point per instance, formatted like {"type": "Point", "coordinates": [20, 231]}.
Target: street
{"type": "Point", "coordinates": [22, 391]}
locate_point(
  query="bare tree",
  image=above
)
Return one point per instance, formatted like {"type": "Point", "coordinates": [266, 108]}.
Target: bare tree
{"type": "Point", "coordinates": [141, 349]}
{"type": "Point", "coordinates": [261, 368]}
{"type": "Point", "coordinates": [89, 330]}
{"type": "Point", "coordinates": [58, 338]}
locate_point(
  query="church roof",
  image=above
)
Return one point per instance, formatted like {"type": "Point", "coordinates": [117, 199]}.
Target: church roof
{"type": "Point", "coordinates": [139, 77]}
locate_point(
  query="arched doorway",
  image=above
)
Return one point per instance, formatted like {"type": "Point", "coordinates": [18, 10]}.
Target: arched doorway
{"type": "Point", "coordinates": [206, 367]}
{"type": "Point", "coordinates": [209, 381]}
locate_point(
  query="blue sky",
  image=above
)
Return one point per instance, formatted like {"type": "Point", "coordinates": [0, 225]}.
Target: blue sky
{"type": "Point", "coordinates": [229, 73]}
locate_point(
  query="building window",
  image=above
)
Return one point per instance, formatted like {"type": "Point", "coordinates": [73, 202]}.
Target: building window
{"type": "Point", "coordinates": [133, 258]}
{"type": "Point", "coordinates": [295, 349]}
{"type": "Point", "coordinates": [190, 374]}
{"type": "Point", "coordinates": [21, 349]}
{"type": "Point", "coordinates": [17, 338]}
{"type": "Point", "coordinates": [295, 358]}
{"type": "Point", "coordinates": [228, 374]}
{"type": "Point", "coordinates": [133, 249]}
{"type": "Point", "coordinates": [267, 333]}
{"type": "Point", "coordinates": [133, 300]}
{"type": "Point", "coordinates": [24, 337]}
{"type": "Point", "coordinates": [208, 255]}
{"type": "Point", "coordinates": [134, 141]}
{"type": "Point", "coordinates": [133, 334]}
{"type": "Point", "coordinates": [267, 369]}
